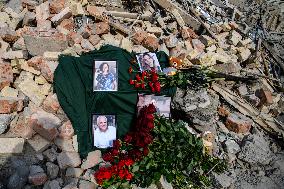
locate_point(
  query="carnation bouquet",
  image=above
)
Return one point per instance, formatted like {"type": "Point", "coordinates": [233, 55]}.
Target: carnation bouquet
{"type": "Point", "coordinates": [157, 146]}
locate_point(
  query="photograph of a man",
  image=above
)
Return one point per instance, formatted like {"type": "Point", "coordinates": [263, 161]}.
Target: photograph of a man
{"type": "Point", "coordinates": [148, 61]}
{"type": "Point", "coordinates": [104, 129]}
{"type": "Point", "coordinates": [105, 76]}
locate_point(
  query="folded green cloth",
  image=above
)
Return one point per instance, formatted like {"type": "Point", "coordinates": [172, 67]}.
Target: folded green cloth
{"type": "Point", "coordinates": [73, 84]}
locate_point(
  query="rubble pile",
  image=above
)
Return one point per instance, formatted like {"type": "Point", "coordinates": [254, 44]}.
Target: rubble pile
{"type": "Point", "coordinates": [240, 120]}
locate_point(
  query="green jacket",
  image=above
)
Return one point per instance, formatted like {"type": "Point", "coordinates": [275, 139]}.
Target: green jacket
{"type": "Point", "coordinates": [73, 84]}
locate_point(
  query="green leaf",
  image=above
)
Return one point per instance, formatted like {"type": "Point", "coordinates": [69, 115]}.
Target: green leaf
{"type": "Point", "coordinates": [135, 168]}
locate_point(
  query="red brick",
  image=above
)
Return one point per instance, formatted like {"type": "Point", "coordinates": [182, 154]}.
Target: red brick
{"type": "Point", "coordinates": [51, 103]}
{"type": "Point", "coordinates": [6, 75]}
{"type": "Point", "coordinates": [238, 123]}
{"type": "Point", "coordinates": [10, 105]}
{"type": "Point", "coordinates": [74, 38]}
{"type": "Point", "coordinates": [38, 179]}
{"type": "Point", "coordinates": [35, 62]}
{"type": "Point", "coordinates": [45, 124]}
{"type": "Point", "coordinates": [66, 131]}
{"type": "Point", "coordinates": [222, 111]}
{"type": "Point", "coordinates": [67, 24]}
{"type": "Point", "coordinates": [151, 43]}
{"type": "Point", "coordinates": [97, 12]}
{"type": "Point", "coordinates": [139, 37]}
{"type": "Point", "coordinates": [56, 6]}
{"type": "Point", "coordinates": [22, 129]}
{"type": "Point", "coordinates": [101, 28]}
{"type": "Point", "coordinates": [188, 33]}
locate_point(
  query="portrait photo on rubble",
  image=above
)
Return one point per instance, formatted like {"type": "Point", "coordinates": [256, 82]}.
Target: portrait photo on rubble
{"type": "Point", "coordinates": [162, 104]}
{"type": "Point", "coordinates": [104, 130]}
{"type": "Point", "coordinates": [147, 61]}
{"type": "Point", "coordinates": [105, 75]}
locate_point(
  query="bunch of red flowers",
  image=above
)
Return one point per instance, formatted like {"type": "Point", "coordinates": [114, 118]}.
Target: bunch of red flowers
{"type": "Point", "coordinates": [146, 78]}
{"type": "Point", "coordinates": [126, 152]}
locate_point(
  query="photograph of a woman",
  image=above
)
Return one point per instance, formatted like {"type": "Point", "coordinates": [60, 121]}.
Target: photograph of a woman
{"type": "Point", "coordinates": [105, 76]}
{"type": "Point", "coordinates": [148, 61]}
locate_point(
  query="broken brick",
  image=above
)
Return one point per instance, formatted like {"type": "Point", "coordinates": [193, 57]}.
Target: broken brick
{"type": "Point", "coordinates": [64, 14]}
{"type": "Point", "coordinates": [6, 75]}
{"type": "Point", "coordinates": [9, 105]}
{"type": "Point", "coordinates": [265, 96]}
{"type": "Point", "coordinates": [151, 43]}
{"type": "Point", "coordinates": [139, 37]}
{"type": "Point", "coordinates": [66, 131]}
{"type": "Point", "coordinates": [101, 28]}
{"type": "Point", "coordinates": [56, 6]}
{"type": "Point", "coordinates": [51, 104]}
{"type": "Point", "coordinates": [188, 33]}
{"type": "Point", "coordinates": [94, 39]}
{"type": "Point", "coordinates": [238, 123]}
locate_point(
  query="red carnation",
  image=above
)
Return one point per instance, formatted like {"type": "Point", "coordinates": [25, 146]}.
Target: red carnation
{"type": "Point", "coordinates": [150, 117]}
{"type": "Point", "coordinates": [144, 73]}
{"type": "Point", "coordinates": [130, 70]}
{"type": "Point", "coordinates": [131, 81]}
{"type": "Point", "coordinates": [151, 108]}
{"type": "Point", "coordinates": [152, 87]}
{"type": "Point", "coordinates": [116, 144]}
{"type": "Point", "coordinates": [138, 77]}
{"type": "Point", "coordinates": [137, 85]}
{"type": "Point", "coordinates": [143, 85]}
{"type": "Point", "coordinates": [128, 162]}
{"type": "Point", "coordinates": [157, 87]}
{"type": "Point", "coordinates": [128, 138]}
{"type": "Point", "coordinates": [150, 125]}
{"type": "Point", "coordinates": [114, 152]}
{"type": "Point", "coordinates": [155, 77]}
{"type": "Point", "coordinates": [108, 157]}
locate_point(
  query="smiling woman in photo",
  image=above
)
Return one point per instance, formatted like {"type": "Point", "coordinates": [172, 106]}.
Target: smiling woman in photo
{"type": "Point", "coordinates": [106, 80]}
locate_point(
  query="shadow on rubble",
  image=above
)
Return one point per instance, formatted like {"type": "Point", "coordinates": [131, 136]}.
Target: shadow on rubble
{"type": "Point", "coordinates": [14, 168]}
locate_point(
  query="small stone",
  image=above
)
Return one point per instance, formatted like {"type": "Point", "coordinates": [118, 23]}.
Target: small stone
{"type": "Point", "coordinates": [126, 44]}
{"type": "Point", "coordinates": [77, 9]}
{"type": "Point", "coordinates": [9, 105]}
{"type": "Point", "coordinates": [86, 185]}
{"type": "Point", "coordinates": [20, 127]}
{"type": "Point", "coordinates": [244, 53]}
{"type": "Point", "coordinates": [101, 28]}
{"type": "Point", "coordinates": [157, 31]}
{"type": "Point", "coordinates": [171, 41]}
{"type": "Point", "coordinates": [56, 6]}
{"type": "Point", "coordinates": [163, 183]}
{"type": "Point", "coordinates": [42, 11]}
{"type": "Point", "coordinates": [188, 33]}
{"type": "Point", "coordinates": [34, 169]}
{"type": "Point", "coordinates": [45, 124]}
{"type": "Point", "coordinates": [47, 70]}
{"type": "Point", "coordinates": [94, 39]}
{"type": "Point", "coordinates": [74, 172]}
{"type": "Point", "coordinates": [86, 44]}
{"type": "Point", "coordinates": [222, 111]}
{"type": "Point", "coordinates": [75, 143]}
{"type": "Point", "coordinates": [151, 43]}
{"type": "Point", "coordinates": [32, 90]}
{"type": "Point", "coordinates": [51, 104]}
{"type": "Point", "coordinates": [265, 96]}
{"type": "Point", "coordinates": [50, 154]}
{"type": "Point", "coordinates": [223, 180]}
{"type": "Point", "coordinates": [14, 54]}
{"type": "Point", "coordinates": [3, 46]}
{"type": "Point", "coordinates": [206, 40]}
{"type": "Point", "coordinates": [198, 45]}
{"type": "Point", "coordinates": [29, 18]}
{"type": "Point", "coordinates": [64, 144]}
{"type": "Point", "coordinates": [54, 184]}
{"type": "Point", "coordinates": [16, 145]}
{"type": "Point", "coordinates": [93, 159]}
{"type": "Point", "coordinates": [38, 179]}
{"type": "Point", "coordinates": [139, 37]}
{"type": "Point", "coordinates": [234, 38]}
{"type": "Point", "coordinates": [64, 14]}
{"type": "Point", "coordinates": [66, 131]}
{"type": "Point", "coordinates": [26, 67]}
{"type": "Point", "coordinates": [68, 159]}
{"type": "Point", "coordinates": [40, 80]}
{"type": "Point", "coordinates": [51, 56]}
{"type": "Point", "coordinates": [228, 68]}
{"type": "Point", "coordinates": [52, 170]}
{"type": "Point", "coordinates": [238, 123]}
{"type": "Point", "coordinates": [5, 120]}
{"type": "Point", "coordinates": [9, 92]}
{"type": "Point", "coordinates": [38, 143]}
{"type": "Point", "coordinates": [232, 147]}
{"type": "Point", "coordinates": [44, 25]}
{"type": "Point", "coordinates": [243, 90]}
